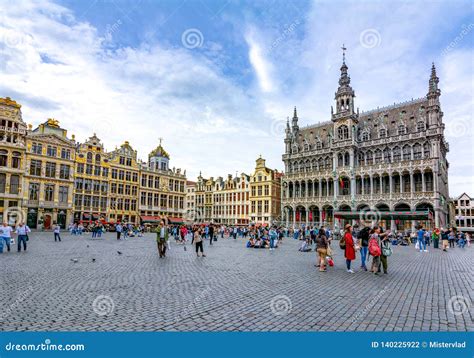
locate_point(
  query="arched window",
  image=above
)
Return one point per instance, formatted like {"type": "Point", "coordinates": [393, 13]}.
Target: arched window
{"type": "Point", "coordinates": [382, 133]}
{"type": "Point", "coordinates": [420, 126]}
{"type": "Point", "coordinates": [417, 151]}
{"type": "Point", "coordinates": [370, 158]}
{"type": "Point", "coordinates": [343, 132]}
{"type": "Point", "coordinates": [340, 160]}
{"type": "Point", "coordinates": [16, 160]}
{"type": "Point", "coordinates": [406, 152]}
{"type": "Point", "coordinates": [387, 156]}
{"type": "Point", "coordinates": [402, 129]}
{"type": "Point", "coordinates": [396, 154]}
{"type": "Point", "coordinates": [378, 156]}
{"type": "Point", "coordinates": [308, 166]}
{"type": "Point", "coordinates": [89, 156]}
{"type": "Point", "coordinates": [361, 159]}
{"type": "Point", "coordinates": [347, 159]}
{"type": "Point", "coordinates": [3, 158]}
{"type": "Point", "coordinates": [327, 163]}
{"type": "Point", "coordinates": [97, 158]}
{"type": "Point", "coordinates": [320, 163]}
{"type": "Point", "coordinates": [426, 150]}
{"type": "Point", "coordinates": [365, 136]}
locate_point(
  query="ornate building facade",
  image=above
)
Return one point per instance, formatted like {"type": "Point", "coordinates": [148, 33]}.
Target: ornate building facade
{"type": "Point", "coordinates": [265, 194]}
{"type": "Point", "coordinates": [387, 164]}
{"type": "Point", "coordinates": [12, 159]}
{"type": "Point", "coordinates": [49, 180]}
{"type": "Point", "coordinates": [231, 201]}
{"type": "Point", "coordinates": [162, 190]}
{"type": "Point", "coordinates": [91, 183]}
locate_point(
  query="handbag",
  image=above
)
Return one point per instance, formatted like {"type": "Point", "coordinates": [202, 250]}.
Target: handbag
{"type": "Point", "coordinates": [386, 249]}
{"type": "Point", "coordinates": [329, 251]}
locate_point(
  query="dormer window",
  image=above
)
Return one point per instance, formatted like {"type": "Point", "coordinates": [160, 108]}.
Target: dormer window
{"type": "Point", "coordinates": [343, 132]}
{"type": "Point", "coordinates": [402, 129]}
{"type": "Point", "coordinates": [382, 133]}
{"type": "Point", "coordinates": [420, 126]}
{"type": "Point", "coordinates": [365, 136]}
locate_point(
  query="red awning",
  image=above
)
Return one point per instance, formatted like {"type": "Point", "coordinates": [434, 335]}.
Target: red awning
{"type": "Point", "coordinates": [175, 220]}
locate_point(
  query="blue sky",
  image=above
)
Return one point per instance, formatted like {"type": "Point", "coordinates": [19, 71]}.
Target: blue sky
{"type": "Point", "coordinates": [217, 79]}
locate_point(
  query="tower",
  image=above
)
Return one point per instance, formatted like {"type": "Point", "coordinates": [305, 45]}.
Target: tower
{"type": "Point", "coordinates": [294, 122]}
{"type": "Point", "coordinates": [345, 94]}
{"type": "Point", "coordinates": [433, 111]}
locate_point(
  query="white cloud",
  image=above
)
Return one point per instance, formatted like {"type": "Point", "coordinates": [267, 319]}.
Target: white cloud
{"type": "Point", "coordinates": [262, 67]}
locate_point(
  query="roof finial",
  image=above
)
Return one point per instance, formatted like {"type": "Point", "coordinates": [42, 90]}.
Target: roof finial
{"type": "Point", "coordinates": [160, 139]}
{"type": "Point", "coordinates": [295, 115]}
{"type": "Point", "coordinates": [343, 53]}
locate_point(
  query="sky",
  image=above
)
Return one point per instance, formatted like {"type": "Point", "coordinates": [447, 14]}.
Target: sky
{"type": "Point", "coordinates": [217, 79]}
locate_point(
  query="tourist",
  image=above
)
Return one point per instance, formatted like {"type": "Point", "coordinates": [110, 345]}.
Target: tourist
{"type": "Point", "coordinates": [374, 249]}
{"type": "Point", "coordinates": [22, 231]}
{"type": "Point", "coordinates": [56, 231]}
{"type": "Point", "coordinates": [161, 239]}
{"type": "Point", "coordinates": [445, 239]}
{"type": "Point", "coordinates": [273, 238]}
{"type": "Point", "coordinates": [451, 237]}
{"type": "Point", "coordinates": [322, 245]}
{"type": "Point", "coordinates": [5, 236]}
{"type": "Point", "coordinates": [435, 237]}
{"type": "Point", "coordinates": [363, 238]}
{"type": "Point", "coordinates": [421, 239]}
{"type": "Point", "coordinates": [118, 230]}
{"type": "Point", "coordinates": [461, 240]}
{"type": "Point", "coordinates": [386, 251]}
{"type": "Point", "coordinates": [349, 251]}
{"type": "Point", "coordinates": [211, 234]}
{"type": "Point", "coordinates": [197, 240]}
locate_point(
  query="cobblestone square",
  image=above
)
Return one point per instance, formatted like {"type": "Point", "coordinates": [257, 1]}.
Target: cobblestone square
{"type": "Point", "coordinates": [81, 284]}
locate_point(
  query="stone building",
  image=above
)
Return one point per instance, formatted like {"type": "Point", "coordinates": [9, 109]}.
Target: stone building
{"type": "Point", "coordinates": [12, 160]}
{"type": "Point", "coordinates": [162, 190]}
{"type": "Point", "coordinates": [464, 213]}
{"type": "Point", "coordinates": [91, 182]}
{"type": "Point", "coordinates": [49, 179]}
{"type": "Point", "coordinates": [265, 194]}
{"type": "Point", "coordinates": [387, 164]}
{"type": "Point", "coordinates": [230, 199]}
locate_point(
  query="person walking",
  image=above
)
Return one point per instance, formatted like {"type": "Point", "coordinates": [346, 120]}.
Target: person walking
{"type": "Point", "coordinates": [273, 238]}
{"type": "Point", "coordinates": [118, 230]}
{"type": "Point", "coordinates": [421, 239]}
{"type": "Point", "coordinates": [56, 231]}
{"type": "Point", "coordinates": [451, 238]}
{"type": "Point", "coordinates": [386, 251]}
{"type": "Point", "coordinates": [349, 251]}
{"type": "Point", "coordinates": [5, 236]}
{"type": "Point", "coordinates": [363, 238]}
{"type": "Point", "coordinates": [211, 234]}
{"type": "Point", "coordinates": [197, 240]}
{"type": "Point", "coordinates": [374, 249]}
{"type": "Point", "coordinates": [435, 237]}
{"type": "Point", "coordinates": [161, 239]}
{"type": "Point", "coordinates": [445, 239]}
{"type": "Point", "coordinates": [22, 231]}
{"type": "Point", "coordinates": [322, 245]}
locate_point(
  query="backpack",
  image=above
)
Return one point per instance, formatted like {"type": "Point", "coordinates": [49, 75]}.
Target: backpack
{"type": "Point", "coordinates": [342, 242]}
{"type": "Point", "coordinates": [374, 248]}
{"type": "Point", "coordinates": [386, 249]}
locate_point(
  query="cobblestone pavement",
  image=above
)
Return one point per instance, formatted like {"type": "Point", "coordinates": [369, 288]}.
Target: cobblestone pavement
{"type": "Point", "coordinates": [232, 289]}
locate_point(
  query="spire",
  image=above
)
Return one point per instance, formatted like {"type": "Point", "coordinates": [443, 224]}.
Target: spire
{"type": "Point", "coordinates": [433, 83]}
{"type": "Point", "coordinates": [294, 121]}
{"type": "Point", "coordinates": [345, 94]}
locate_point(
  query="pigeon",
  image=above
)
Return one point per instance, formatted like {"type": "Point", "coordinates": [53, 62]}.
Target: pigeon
{"type": "Point", "coordinates": [93, 260]}
{"type": "Point", "coordinates": [118, 252]}
{"type": "Point", "coordinates": [87, 245]}
{"type": "Point", "coordinates": [74, 260]}
{"type": "Point", "coordinates": [184, 248]}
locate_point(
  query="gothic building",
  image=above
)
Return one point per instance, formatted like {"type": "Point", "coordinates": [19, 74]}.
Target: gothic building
{"type": "Point", "coordinates": [387, 164]}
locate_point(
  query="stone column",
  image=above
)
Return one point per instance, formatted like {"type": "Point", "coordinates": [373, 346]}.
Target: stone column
{"type": "Point", "coordinates": [307, 216]}
{"type": "Point", "coordinates": [294, 216]}
{"type": "Point", "coordinates": [423, 187]}
{"type": "Point", "coordinates": [336, 188]}
{"type": "Point", "coordinates": [390, 182]}
{"type": "Point", "coordinates": [371, 186]}
{"type": "Point", "coordinates": [319, 189]}
{"type": "Point", "coordinates": [320, 216]}
{"type": "Point", "coordinates": [362, 187]}
{"type": "Point", "coordinates": [412, 184]}
{"type": "Point", "coordinates": [401, 183]}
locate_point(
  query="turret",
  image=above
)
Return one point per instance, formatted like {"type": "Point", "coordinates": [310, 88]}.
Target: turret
{"type": "Point", "coordinates": [345, 94]}
{"type": "Point", "coordinates": [433, 110]}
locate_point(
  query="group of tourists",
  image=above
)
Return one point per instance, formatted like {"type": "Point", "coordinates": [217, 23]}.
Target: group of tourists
{"type": "Point", "coordinates": [6, 238]}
